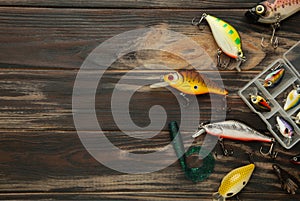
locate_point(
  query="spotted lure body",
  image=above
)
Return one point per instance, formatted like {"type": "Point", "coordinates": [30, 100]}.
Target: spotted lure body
{"type": "Point", "coordinates": [273, 11]}
{"type": "Point", "coordinates": [273, 78]}
{"type": "Point", "coordinates": [234, 182]}
{"type": "Point", "coordinates": [293, 99]}
{"type": "Point", "coordinates": [190, 82]}
{"type": "Point", "coordinates": [233, 130]}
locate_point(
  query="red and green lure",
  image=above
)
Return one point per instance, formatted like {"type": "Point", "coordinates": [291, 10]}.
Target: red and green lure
{"type": "Point", "coordinates": [226, 36]}
{"type": "Point", "coordinates": [190, 82]}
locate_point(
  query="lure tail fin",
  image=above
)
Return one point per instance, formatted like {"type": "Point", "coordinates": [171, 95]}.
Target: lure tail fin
{"type": "Point", "coordinates": [217, 197]}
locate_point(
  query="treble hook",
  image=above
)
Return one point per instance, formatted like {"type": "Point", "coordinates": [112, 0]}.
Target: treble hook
{"type": "Point", "coordinates": [271, 152]}
{"type": "Point", "coordinates": [273, 42]}
{"type": "Point", "coordinates": [195, 23]}
{"type": "Point", "coordinates": [220, 64]}
{"type": "Point", "coordinates": [226, 152]}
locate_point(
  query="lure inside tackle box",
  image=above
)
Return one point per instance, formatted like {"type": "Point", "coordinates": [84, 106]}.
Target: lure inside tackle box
{"type": "Point", "coordinates": [276, 95]}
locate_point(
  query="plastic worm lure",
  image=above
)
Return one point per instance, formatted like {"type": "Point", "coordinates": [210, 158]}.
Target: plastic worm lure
{"type": "Point", "coordinates": [273, 12]}
{"type": "Point", "coordinates": [227, 38]}
{"type": "Point", "coordinates": [234, 182]}
{"type": "Point", "coordinates": [196, 174]}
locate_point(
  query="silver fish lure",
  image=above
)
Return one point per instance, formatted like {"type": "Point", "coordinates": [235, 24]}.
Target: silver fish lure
{"type": "Point", "coordinates": [233, 130]}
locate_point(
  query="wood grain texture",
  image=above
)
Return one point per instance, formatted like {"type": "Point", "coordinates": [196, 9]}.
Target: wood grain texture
{"type": "Point", "coordinates": [63, 38]}
{"type": "Point", "coordinates": [42, 47]}
{"type": "Point", "coordinates": [133, 4]}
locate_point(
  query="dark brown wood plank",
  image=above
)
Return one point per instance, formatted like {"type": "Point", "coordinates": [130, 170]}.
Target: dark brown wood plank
{"type": "Point", "coordinates": [41, 100]}
{"type": "Point", "coordinates": [134, 4]}
{"type": "Point", "coordinates": [60, 167]}
{"type": "Point", "coordinates": [63, 38]}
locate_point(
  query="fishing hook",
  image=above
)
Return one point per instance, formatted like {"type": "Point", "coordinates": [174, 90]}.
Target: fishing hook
{"type": "Point", "coordinates": [195, 23]}
{"type": "Point", "coordinates": [226, 152]}
{"type": "Point", "coordinates": [220, 64]}
{"type": "Point", "coordinates": [271, 152]}
{"type": "Point", "coordinates": [273, 42]}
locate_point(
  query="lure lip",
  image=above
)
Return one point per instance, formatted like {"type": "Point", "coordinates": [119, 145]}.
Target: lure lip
{"type": "Point", "coordinates": [159, 85]}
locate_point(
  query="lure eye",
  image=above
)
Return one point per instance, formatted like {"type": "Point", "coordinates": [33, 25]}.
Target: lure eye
{"type": "Point", "coordinates": [295, 159]}
{"type": "Point", "coordinates": [253, 99]}
{"type": "Point", "coordinates": [171, 77]}
{"type": "Point", "coordinates": [260, 9]}
{"type": "Point", "coordinates": [269, 83]}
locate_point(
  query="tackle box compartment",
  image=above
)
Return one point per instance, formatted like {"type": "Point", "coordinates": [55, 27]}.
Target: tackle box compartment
{"type": "Point", "coordinates": [276, 95]}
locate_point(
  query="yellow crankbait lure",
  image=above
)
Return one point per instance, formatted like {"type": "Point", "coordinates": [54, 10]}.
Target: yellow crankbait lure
{"type": "Point", "coordinates": [226, 36]}
{"type": "Point", "coordinates": [234, 182]}
{"type": "Point", "coordinates": [190, 82]}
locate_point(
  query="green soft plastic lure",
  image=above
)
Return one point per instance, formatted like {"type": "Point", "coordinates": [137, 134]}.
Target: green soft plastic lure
{"type": "Point", "coordinates": [196, 174]}
{"type": "Point", "coordinates": [226, 36]}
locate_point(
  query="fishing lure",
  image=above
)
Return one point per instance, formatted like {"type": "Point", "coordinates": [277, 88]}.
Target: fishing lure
{"type": "Point", "coordinates": [288, 181]}
{"type": "Point", "coordinates": [260, 103]}
{"type": "Point", "coordinates": [235, 130]}
{"type": "Point", "coordinates": [234, 182]}
{"type": "Point", "coordinates": [297, 118]}
{"type": "Point", "coordinates": [295, 160]}
{"type": "Point", "coordinates": [293, 99]}
{"type": "Point", "coordinates": [190, 82]}
{"type": "Point", "coordinates": [273, 12]}
{"type": "Point", "coordinates": [227, 38]}
{"type": "Point", "coordinates": [274, 78]}
{"type": "Point", "coordinates": [195, 174]}
{"type": "Point", "coordinates": [285, 128]}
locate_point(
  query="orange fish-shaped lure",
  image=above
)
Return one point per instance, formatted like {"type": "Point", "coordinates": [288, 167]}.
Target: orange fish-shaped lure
{"type": "Point", "coordinates": [190, 82]}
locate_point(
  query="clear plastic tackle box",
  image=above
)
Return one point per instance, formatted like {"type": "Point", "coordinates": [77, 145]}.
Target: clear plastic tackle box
{"type": "Point", "coordinates": [276, 96]}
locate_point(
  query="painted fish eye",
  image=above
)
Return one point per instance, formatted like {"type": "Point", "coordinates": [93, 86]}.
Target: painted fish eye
{"type": "Point", "coordinates": [253, 99]}
{"type": "Point", "coordinates": [171, 77]}
{"type": "Point", "coordinates": [260, 9]}
{"type": "Point", "coordinates": [295, 159]}
{"type": "Point", "coordinates": [269, 83]}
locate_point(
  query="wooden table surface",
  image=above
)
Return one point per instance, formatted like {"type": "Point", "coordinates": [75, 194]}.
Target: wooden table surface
{"type": "Point", "coordinates": [42, 47]}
